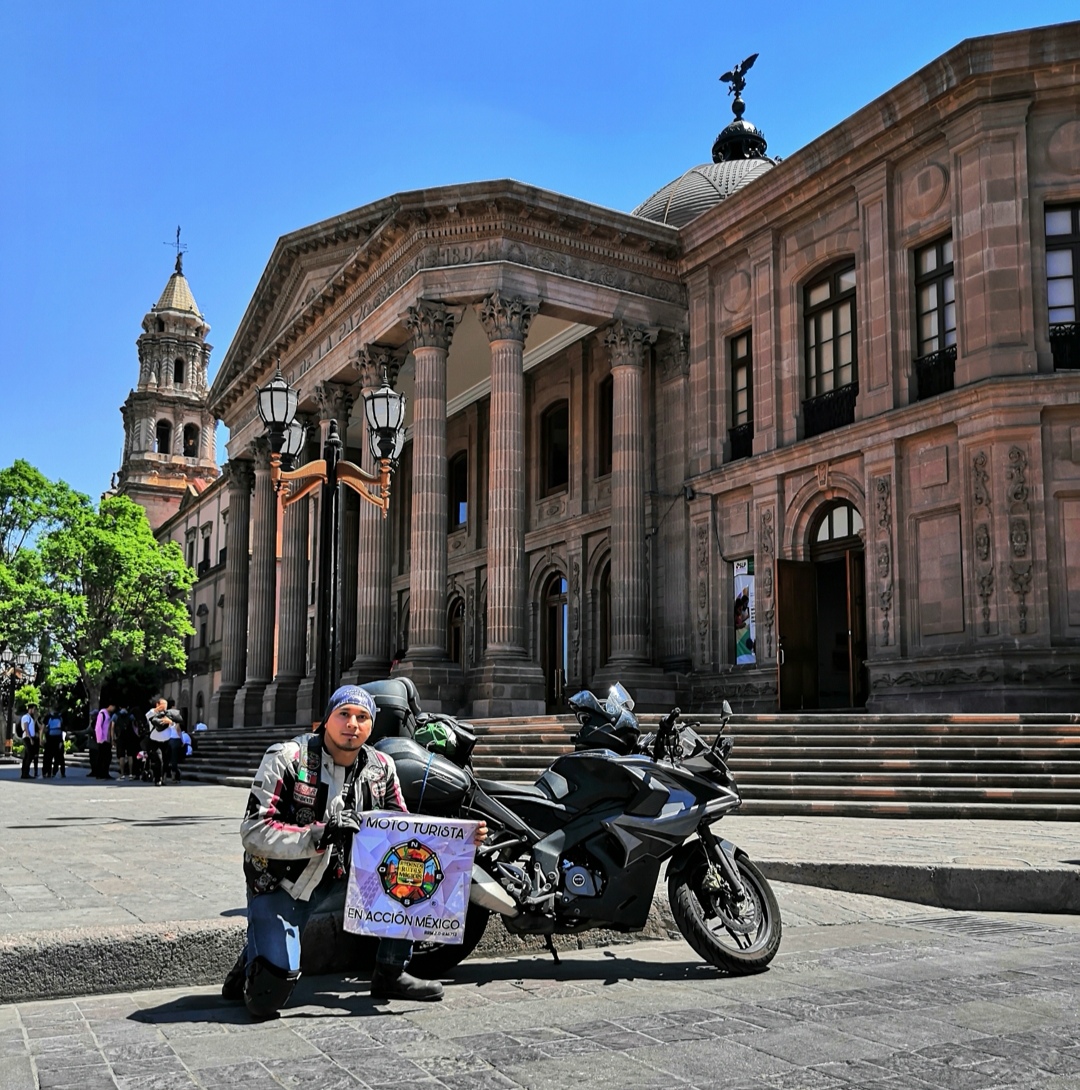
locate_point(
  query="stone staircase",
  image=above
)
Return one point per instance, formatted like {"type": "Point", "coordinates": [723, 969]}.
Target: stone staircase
{"type": "Point", "coordinates": [842, 764]}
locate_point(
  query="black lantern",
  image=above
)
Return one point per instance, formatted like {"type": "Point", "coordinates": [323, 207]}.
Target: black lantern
{"type": "Point", "coordinates": [385, 411]}
{"type": "Point", "coordinates": [293, 444]}
{"type": "Point", "coordinates": [277, 408]}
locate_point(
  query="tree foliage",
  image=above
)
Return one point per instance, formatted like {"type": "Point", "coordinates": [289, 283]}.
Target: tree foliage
{"type": "Point", "coordinates": [113, 594]}
{"type": "Point", "coordinates": [92, 589]}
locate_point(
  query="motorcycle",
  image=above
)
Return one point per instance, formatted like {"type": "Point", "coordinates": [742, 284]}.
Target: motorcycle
{"type": "Point", "coordinates": [582, 847]}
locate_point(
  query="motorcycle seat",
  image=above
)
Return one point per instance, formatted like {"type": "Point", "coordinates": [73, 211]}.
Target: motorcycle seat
{"type": "Point", "coordinates": [502, 788]}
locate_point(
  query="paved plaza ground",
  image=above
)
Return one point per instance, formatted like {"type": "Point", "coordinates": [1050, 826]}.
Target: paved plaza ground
{"type": "Point", "coordinates": [866, 992]}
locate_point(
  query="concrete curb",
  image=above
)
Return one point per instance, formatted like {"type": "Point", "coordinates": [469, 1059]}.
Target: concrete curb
{"type": "Point", "coordinates": [968, 887]}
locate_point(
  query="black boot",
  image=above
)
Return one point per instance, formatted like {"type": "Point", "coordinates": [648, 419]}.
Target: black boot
{"type": "Point", "coordinates": [233, 987]}
{"type": "Point", "coordinates": [392, 982]}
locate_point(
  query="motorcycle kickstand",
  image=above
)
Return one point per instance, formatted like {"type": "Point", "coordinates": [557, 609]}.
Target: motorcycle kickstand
{"type": "Point", "coordinates": [551, 947]}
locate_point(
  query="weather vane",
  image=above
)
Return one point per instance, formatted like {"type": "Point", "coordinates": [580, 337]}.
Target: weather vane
{"type": "Point", "coordinates": [737, 78]}
{"type": "Point", "coordinates": [181, 249]}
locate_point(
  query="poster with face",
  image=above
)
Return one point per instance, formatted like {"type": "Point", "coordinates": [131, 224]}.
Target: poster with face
{"type": "Point", "coordinates": [744, 613]}
{"type": "Point", "coordinates": [410, 877]}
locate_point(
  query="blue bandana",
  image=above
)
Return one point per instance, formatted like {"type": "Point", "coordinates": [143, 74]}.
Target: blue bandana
{"type": "Point", "coordinates": [351, 694]}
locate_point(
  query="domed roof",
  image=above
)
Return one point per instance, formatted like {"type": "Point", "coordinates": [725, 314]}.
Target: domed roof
{"type": "Point", "coordinates": [738, 158]}
{"type": "Point", "coordinates": [177, 294]}
{"type": "Point", "coordinates": [699, 189]}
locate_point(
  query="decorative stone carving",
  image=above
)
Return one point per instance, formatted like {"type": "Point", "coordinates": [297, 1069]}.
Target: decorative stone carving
{"type": "Point", "coordinates": [627, 343]}
{"type": "Point", "coordinates": [951, 675]}
{"type": "Point", "coordinates": [376, 364]}
{"type": "Point", "coordinates": [983, 541]}
{"type": "Point", "coordinates": [883, 508]}
{"type": "Point", "coordinates": [506, 319]}
{"type": "Point", "coordinates": [701, 540]}
{"type": "Point", "coordinates": [768, 558]}
{"type": "Point", "coordinates": [736, 292]}
{"type": "Point", "coordinates": [822, 470]}
{"type": "Point", "coordinates": [1063, 149]}
{"type": "Point", "coordinates": [334, 401]}
{"type": "Point", "coordinates": [674, 358]}
{"type": "Point", "coordinates": [575, 616]}
{"type": "Point", "coordinates": [925, 191]}
{"type": "Point", "coordinates": [431, 325]}
{"type": "Point", "coordinates": [1019, 532]}
{"type": "Point", "coordinates": [470, 625]}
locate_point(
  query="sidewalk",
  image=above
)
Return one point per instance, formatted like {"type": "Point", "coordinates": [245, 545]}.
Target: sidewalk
{"type": "Point", "coordinates": [120, 885]}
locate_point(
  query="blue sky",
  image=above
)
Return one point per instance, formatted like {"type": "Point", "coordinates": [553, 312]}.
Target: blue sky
{"type": "Point", "coordinates": [243, 121]}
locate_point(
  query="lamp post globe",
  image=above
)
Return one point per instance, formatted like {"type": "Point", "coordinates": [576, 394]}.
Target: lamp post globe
{"type": "Point", "coordinates": [385, 412]}
{"type": "Point", "coordinates": [293, 443]}
{"type": "Point", "coordinates": [277, 408]}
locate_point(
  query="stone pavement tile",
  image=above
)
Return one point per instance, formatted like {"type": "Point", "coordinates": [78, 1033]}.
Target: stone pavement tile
{"type": "Point", "coordinates": [273, 1043]}
{"type": "Point", "coordinates": [811, 1043]}
{"type": "Point", "coordinates": [381, 1067]}
{"type": "Point", "coordinates": [160, 1080]}
{"type": "Point", "coordinates": [987, 1016]}
{"type": "Point", "coordinates": [12, 1042]}
{"type": "Point", "coordinates": [480, 1080]}
{"type": "Point", "coordinates": [441, 1066]}
{"type": "Point", "coordinates": [620, 1071]}
{"type": "Point", "coordinates": [80, 1080]}
{"type": "Point", "coordinates": [17, 1074]}
{"type": "Point", "coordinates": [913, 1067]}
{"type": "Point", "coordinates": [316, 1073]}
{"type": "Point", "coordinates": [805, 1078]}
{"type": "Point", "coordinates": [249, 1075]}
{"type": "Point", "coordinates": [616, 1042]}
{"type": "Point", "coordinates": [734, 1060]}
{"type": "Point", "coordinates": [851, 1072]}
{"type": "Point", "coordinates": [909, 1030]}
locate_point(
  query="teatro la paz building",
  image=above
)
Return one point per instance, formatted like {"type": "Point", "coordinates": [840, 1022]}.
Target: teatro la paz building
{"type": "Point", "coordinates": [802, 434]}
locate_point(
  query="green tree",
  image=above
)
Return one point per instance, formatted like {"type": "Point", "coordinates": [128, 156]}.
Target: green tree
{"type": "Point", "coordinates": [110, 594]}
{"type": "Point", "coordinates": [30, 505]}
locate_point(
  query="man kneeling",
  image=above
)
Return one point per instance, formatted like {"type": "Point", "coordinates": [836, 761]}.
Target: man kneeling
{"type": "Point", "coordinates": [297, 837]}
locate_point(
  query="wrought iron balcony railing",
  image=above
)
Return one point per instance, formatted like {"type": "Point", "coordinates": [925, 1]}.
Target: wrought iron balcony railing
{"type": "Point", "coordinates": [934, 373]}
{"type": "Point", "coordinates": [742, 441]}
{"type": "Point", "coordinates": [829, 411]}
{"type": "Point", "coordinates": [1065, 345]}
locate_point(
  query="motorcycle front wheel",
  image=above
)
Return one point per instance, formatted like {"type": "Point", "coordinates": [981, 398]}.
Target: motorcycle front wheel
{"type": "Point", "coordinates": [436, 959]}
{"type": "Point", "coordinates": [739, 936]}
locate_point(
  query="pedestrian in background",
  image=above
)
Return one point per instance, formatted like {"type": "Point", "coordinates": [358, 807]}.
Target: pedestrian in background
{"type": "Point", "coordinates": [101, 759]}
{"type": "Point", "coordinates": [30, 738]}
{"type": "Point", "coordinates": [126, 741]}
{"type": "Point", "coordinates": [159, 733]}
{"type": "Point", "coordinates": [174, 748]}
{"type": "Point", "coordinates": [53, 761]}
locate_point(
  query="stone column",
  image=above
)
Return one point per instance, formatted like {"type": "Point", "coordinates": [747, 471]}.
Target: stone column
{"type": "Point", "coordinates": [333, 401]}
{"type": "Point", "coordinates": [375, 364]}
{"type": "Point", "coordinates": [279, 700]}
{"type": "Point", "coordinates": [439, 681]}
{"type": "Point", "coordinates": [262, 594]}
{"type": "Point", "coordinates": [509, 684]}
{"type": "Point", "coordinates": [628, 482]}
{"type": "Point", "coordinates": [234, 633]}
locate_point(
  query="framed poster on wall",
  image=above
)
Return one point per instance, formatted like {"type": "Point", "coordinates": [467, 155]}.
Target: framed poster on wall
{"type": "Point", "coordinates": [743, 613]}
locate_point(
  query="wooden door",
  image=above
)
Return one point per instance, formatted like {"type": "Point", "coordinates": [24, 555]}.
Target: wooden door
{"type": "Point", "coordinates": [796, 634]}
{"type": "Point", "coordinates": [856, 597]}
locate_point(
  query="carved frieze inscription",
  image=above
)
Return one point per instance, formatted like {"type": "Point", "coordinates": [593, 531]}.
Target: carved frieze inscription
{"type": "Point", "coordinates": [1020, 561]}
{"type": "Point", "coordinates": [883, 552]}
{"type": "Point", "coordinates": [982, 521]}
{"type": "Point", "coordinates": [701, 590]}
{"type": "Point", "coordinates": [767, 552]}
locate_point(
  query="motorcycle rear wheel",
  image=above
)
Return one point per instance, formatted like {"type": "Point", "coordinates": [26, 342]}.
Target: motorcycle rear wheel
{"type": "Point", "coordinates": [436, 959]}
{"type": "Point", "coordinates": [696, 912]}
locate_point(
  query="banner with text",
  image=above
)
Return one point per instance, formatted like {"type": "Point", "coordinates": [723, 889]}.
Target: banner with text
{"type": "Point", "coordinates": [410, 877]}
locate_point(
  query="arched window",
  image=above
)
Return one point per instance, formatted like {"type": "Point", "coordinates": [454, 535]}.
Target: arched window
{"type": "Point", "coordinates": [839, 521]}
{"type": "Point", "coordinates": [163, 437]}
{"type": "Point", "coordinates": [191, 440]}
{"type": "Point", "coordinates": [457, 487]}
{"type": "Point", "coordinates": [160, 326]}
{"type": "Point", "coordinates": [555, 448]}
{"type": "Point", "coordinates": [178, 372]}
{"type": "Point", "coordinates": [604, 425]}
{"type": "Point", "coordinates": [455, 632]}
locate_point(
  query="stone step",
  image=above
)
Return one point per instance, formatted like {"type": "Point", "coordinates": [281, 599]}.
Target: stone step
{"type": "Point", "coordinates": [915, 793]}
{"type": "Point", "coordinates": [1061, 782]}
{"type": "Point", "coordinates": [838, 807]}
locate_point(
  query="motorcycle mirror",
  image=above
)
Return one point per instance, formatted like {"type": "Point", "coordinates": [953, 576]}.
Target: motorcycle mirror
{"type": "Point", "coordinates": [726, 709]}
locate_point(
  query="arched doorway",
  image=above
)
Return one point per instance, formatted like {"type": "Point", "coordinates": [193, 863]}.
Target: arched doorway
{"type": "Point", "coordinates": [455, 632]}
{"type": "Point", "coordinates": [821, 616]}
{"type": "Point", "coordinates": [554, 640]}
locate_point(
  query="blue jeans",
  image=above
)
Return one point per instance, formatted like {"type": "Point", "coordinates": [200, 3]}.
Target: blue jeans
{"type": "Point", "coordinates": [276, 923]}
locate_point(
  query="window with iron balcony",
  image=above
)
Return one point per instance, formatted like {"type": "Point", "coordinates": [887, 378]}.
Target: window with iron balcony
{"type": "Point", "coordinates": [832, 383]}
{"type": "Point", "coordinates": [1062, 260]}
{"type": "Point", "coordinates": [935, 318]}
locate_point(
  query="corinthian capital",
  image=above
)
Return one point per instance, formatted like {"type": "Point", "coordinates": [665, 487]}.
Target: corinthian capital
{"type": "Point", "coordinates": [260, 453]}
{"type": "Point", "coordinates": [674, 357]}
{"type": "Point", "coordinates": [334, 400]}
{"type": "Point", "coordinates": [432, 325]}
{"type": "Point", "coordinates": [506, 319]}
{"type": "Point", "coordinates": [626, 343]}
{"type": "Point", "coordinates": [241, 475]}
{"type": "Point", "coordinates": [377, 364]}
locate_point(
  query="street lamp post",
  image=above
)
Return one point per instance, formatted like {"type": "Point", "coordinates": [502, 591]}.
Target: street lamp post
{"type": "Point", "coordinates": [14, 668]}
{"type": "Point", "coordinates": [385, 412]}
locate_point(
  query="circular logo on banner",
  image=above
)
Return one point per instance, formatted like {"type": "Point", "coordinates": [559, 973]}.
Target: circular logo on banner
{"type": "Point", "coordinates": [410, 873]}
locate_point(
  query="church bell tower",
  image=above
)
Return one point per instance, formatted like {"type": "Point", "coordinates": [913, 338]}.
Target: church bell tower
{"type": "Point", "coordinates": [168, 430]}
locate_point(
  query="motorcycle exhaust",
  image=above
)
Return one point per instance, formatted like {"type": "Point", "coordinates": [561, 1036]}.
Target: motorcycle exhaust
{"type": "Point", "coordinates": [487, 893]}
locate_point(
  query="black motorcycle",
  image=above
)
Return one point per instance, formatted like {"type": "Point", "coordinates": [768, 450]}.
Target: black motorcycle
{"type": "Point", "coordinates": [582, 848]}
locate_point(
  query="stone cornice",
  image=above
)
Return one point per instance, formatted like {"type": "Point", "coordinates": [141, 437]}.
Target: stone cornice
{"type": "Point", "coordinates": [454, 226]}
{"type": "Point", "coordinates": [976, 71]}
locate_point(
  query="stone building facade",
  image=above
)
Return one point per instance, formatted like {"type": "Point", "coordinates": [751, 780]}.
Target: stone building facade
{"type": "Point", "coordinates": [800, 433]}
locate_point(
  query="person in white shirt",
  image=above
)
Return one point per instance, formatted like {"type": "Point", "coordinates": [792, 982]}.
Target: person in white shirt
{"type": "Point", "coordinates": [28, 723]}
{"type": "Point", "coordinates": [161, 732]}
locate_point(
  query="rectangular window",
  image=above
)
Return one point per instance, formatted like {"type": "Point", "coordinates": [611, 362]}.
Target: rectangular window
{"type": "Point", "coordinates": [830, 360]}
{"type": "Point", "coordinates": [741, 434]}
{"type": "Point", "coordinates": [1062, 261]}
{"type": "Point", "coordinates": [935, 318]}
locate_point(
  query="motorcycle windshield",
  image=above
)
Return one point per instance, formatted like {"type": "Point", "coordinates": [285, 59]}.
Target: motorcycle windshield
{"type": "Point", "coordinates": [619, 699]}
